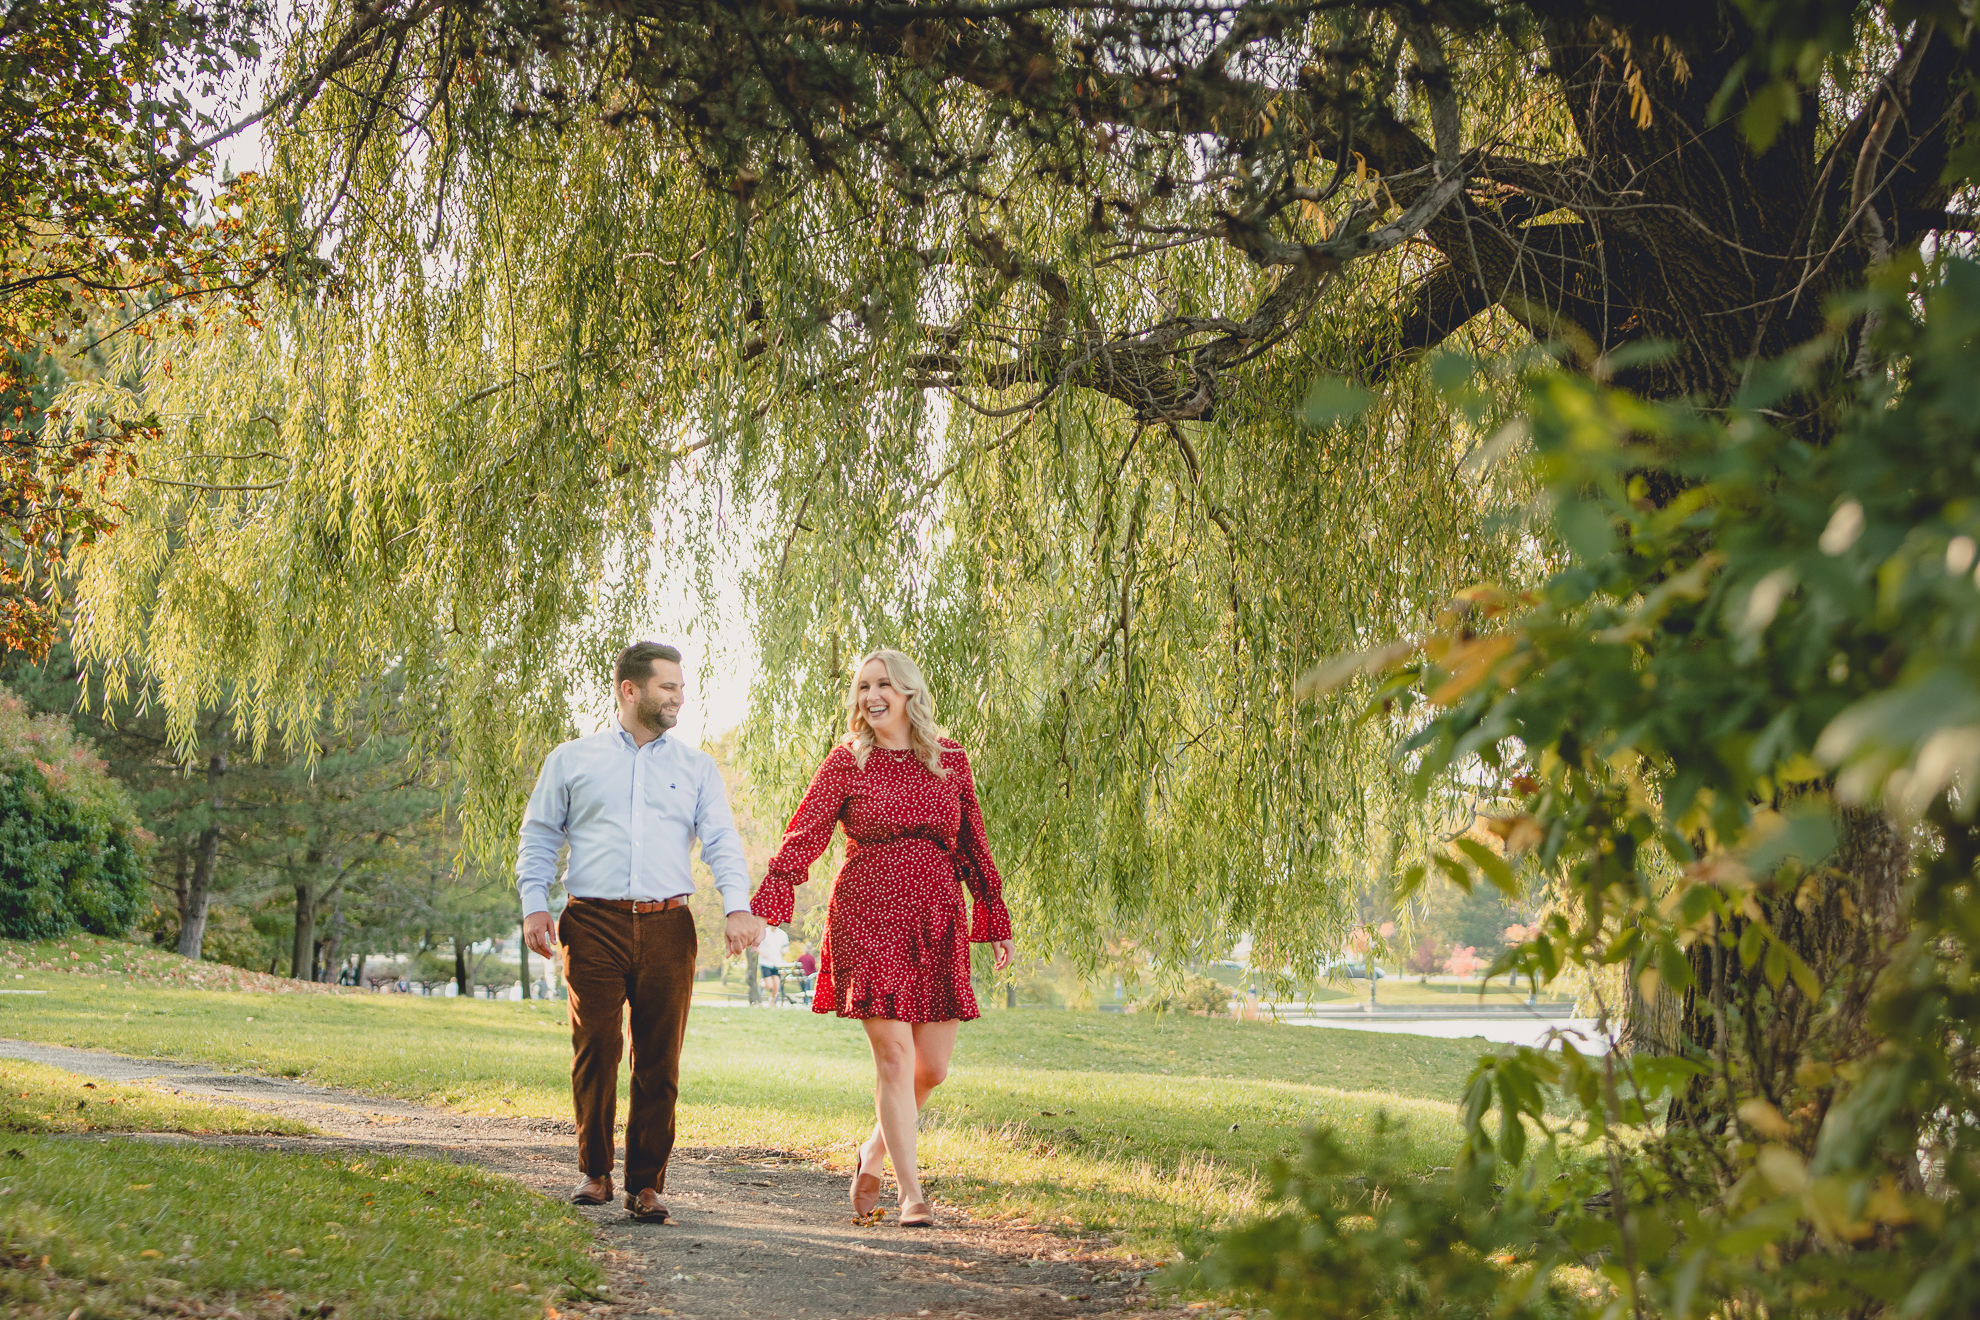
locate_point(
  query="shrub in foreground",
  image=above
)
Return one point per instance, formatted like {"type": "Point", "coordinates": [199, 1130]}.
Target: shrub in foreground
{"type": "Point", "coordinates": [1358, 1238]}
{"type": "Point", "coordinates": [1740, 733]}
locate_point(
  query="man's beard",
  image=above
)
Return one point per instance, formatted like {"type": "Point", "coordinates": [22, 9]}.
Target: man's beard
{"type": "Point", "coordinates": [653, 715]}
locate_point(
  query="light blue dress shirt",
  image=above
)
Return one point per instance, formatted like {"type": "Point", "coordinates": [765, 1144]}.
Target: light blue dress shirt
{"type": "Point", "coordinates": [631, 815]}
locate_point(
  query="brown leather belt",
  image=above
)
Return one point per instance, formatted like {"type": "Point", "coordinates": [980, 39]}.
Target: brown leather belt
{"type": "Point", "coordinates": [635, 905]}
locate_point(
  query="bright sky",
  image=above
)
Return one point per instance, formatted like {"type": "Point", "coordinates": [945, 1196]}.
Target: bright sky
{"type": "Point", "coordinates": [717, 655]}
{"type": "Point", "coordinates": [717, 651]}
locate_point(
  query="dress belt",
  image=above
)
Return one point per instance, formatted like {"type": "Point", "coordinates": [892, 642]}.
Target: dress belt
{"type": "Point", "coordinates": [905, 839]}
{"type": "Point", "coordinates": [635, 905]}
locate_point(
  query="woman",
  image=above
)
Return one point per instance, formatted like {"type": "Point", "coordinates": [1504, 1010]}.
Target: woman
{"type": "Point", "coordinates": [896, 947]}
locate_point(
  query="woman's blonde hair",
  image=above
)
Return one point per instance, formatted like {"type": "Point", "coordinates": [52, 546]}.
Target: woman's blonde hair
{"type": "Point", "coordinates": [924, 734]}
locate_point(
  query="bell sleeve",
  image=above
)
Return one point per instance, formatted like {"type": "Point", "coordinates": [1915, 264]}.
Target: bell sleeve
{"type": "Point", "coordinates": [989, 919]}
{"type": "Point", "coordinates": [805, 838]}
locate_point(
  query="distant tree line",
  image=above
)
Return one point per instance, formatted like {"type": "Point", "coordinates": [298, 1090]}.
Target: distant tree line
{"type": "Point", "coordinates": [263, 857]}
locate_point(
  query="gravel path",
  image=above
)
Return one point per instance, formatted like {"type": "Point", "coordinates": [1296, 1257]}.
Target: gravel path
{"type": "Point", "coordinates": [758, 1234]}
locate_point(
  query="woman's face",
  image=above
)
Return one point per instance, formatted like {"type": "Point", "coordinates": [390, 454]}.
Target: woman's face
{"type": "Point", "coordinates": [883, 704]}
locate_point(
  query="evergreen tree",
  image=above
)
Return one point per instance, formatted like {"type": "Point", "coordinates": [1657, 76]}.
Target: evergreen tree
{"type": "Point", "coordinates": [325, 848]}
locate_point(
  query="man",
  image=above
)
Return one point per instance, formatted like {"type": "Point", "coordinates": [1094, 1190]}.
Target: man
{"type": "Point", "coordinates": [770, 952]}
{"type": "Point", "coordinates": [630, 801]}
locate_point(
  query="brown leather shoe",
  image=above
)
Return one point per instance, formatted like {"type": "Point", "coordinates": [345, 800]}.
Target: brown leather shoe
{"type": "Point", "coordinates": [594, 1191]}
{"type": "Point", "coordinates": [644, 1206]}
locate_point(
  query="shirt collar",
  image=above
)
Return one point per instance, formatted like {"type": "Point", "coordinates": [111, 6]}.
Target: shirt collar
{"type": "Point", "coordinates": [626, 738]}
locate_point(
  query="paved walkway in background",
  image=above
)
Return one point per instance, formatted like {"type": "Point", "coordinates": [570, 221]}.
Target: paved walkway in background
{"type": "Point", "coordinates": [1505, 1029]}
{"type": "Point", "coordinates": [759, 1234]}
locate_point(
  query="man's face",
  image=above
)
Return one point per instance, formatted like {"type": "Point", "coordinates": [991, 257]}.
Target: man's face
{"type": "Point", "coordinates": [656, 704]}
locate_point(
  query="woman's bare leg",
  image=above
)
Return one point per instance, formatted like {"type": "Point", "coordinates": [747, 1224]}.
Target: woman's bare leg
{"type": "Point", "coordinates": [893, 1098]}
{"type": "Point", "coordinates": [934, 1044]}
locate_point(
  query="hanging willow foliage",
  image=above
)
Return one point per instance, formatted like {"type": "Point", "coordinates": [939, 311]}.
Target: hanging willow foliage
{"type": "Point", "coordinates": [986, 331]}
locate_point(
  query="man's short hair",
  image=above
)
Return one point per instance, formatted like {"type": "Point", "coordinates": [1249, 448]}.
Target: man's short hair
{"type": "Point", "coordinates": [636, 662]}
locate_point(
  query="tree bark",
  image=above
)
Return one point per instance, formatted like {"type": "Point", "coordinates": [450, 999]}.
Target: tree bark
{"type": "Point", "coordinates": [199, 891]}
{"type": "Point", "coordinates": [181, 884]}
{"type": "Point", "coordinates": [463, 973]}
{"type": "Point", "coordinates": [328, 950]}
{"type": "Point", "coordinates": [522, 965]}
{"type": "Point", "coordinates": [1845, 919]}
{"type": "Point", "coordinates": [302, 954]}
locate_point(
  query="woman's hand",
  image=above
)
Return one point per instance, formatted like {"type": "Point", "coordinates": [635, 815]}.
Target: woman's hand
{"type": "Point", "coordinates": [1005, 949]}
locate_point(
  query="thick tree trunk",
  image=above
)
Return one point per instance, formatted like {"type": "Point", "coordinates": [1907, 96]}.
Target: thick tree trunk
{"type": "Point", "coordinates": [1656, 1023]}
{"type": "Point", "coordinates": [522, 965]}
{"type": "Point", "coordinates": [302, 954]}
{"type": "Point", "coordinates": [1845, 920]}
{"type": "Point", "coordinates": [199, 890]}
{"type": "Point", "coordinates": [463, 973]}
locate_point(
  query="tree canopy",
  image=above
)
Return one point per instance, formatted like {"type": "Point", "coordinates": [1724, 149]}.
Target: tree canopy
{"type": "Point", "coordinates": [991, 330]}
{"type": "Point", "coordinates": [109, 224]}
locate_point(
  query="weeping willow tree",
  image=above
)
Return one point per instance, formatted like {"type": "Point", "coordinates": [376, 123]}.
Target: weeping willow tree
{"type": "Point", "coordinates": [987, 329]}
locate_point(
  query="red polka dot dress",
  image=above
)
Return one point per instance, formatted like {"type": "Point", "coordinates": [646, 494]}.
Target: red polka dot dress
{"type": "Point", "coordinates": [896, 935]}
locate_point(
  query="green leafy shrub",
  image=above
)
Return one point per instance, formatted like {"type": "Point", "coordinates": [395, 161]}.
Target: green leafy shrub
{"type": "Point", "coordinates": [72, 853]}
{"type": "Point", "coordinates": [1196, 994]}
{"type": "Point", "coordinates": [1360, 1239]}
{"type": "Point", "coordinates": [1740, 731]}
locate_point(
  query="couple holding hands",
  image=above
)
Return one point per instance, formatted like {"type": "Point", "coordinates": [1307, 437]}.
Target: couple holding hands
{"type": "Point", "coordinates": [630, 802]}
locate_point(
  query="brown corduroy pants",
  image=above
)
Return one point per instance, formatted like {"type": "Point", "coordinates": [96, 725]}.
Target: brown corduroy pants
{"type": "Point", "coordinates": [612, 959]}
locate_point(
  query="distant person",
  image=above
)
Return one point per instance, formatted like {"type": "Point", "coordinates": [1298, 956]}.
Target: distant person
{"type": "Point", "coordinates": [630, 802]}
{"type": "Point", "coordinates": [770, 956]}
{"type": "Point", "coordinates": [542, 988]}
{"type": "Point", "coordinates": [897, 937]}
{"type": "Point", "coordinates": [807, 971]}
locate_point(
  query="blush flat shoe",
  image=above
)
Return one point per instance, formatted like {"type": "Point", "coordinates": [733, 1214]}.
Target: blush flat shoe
{"type": "Point", "coordinates": [917, 1214]}
{"type": "Point", "coordinates": [865, 1190]}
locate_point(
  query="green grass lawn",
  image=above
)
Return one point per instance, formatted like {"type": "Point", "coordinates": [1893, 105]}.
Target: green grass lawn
{"type": "Point", "coordinates": [1155, 1127]}
{"type": "Point", "coordinates": [115, 1226]}
{"type": "Point", "coordinates": [37, 1098]}
{"type": "Point", "coordinates": [122, 1227]}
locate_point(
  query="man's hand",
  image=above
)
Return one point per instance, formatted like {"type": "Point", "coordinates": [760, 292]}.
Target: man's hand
{"type": "Point", "coordinates": [540, 933]}
{"type": "Point", "coordinates": [745, 931]}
